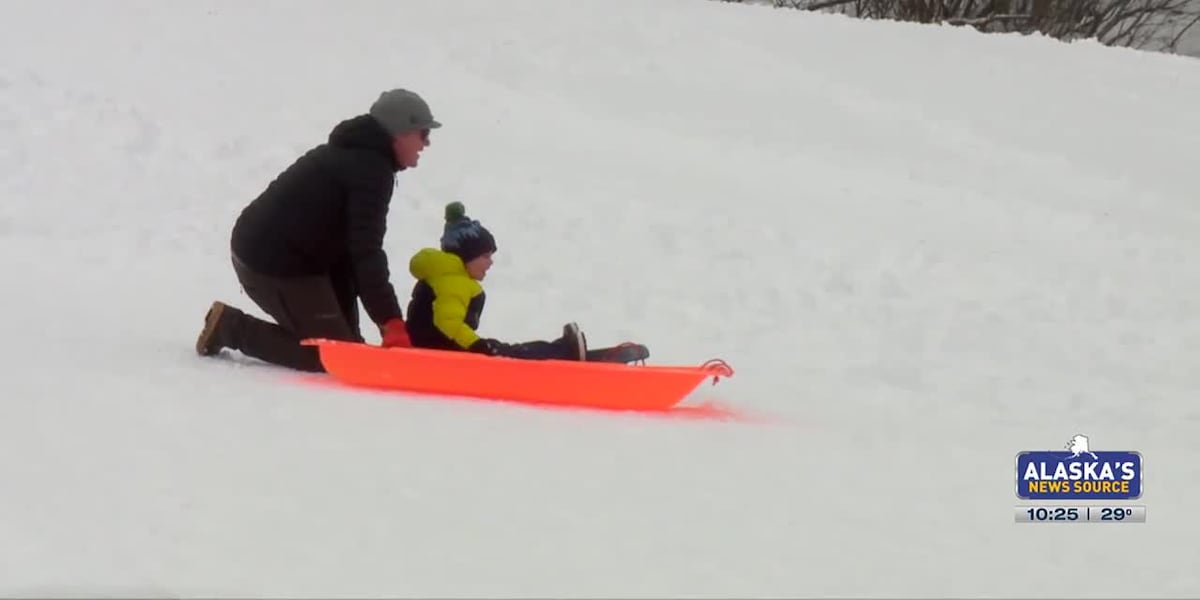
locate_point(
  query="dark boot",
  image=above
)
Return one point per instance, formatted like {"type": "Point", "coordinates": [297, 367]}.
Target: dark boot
{"type": "Point", "coordinates": [220, 329]}
{"type": "Point", "coordinates": [574, 341]}
{"type": "Point", "coordinates": [627, 352]}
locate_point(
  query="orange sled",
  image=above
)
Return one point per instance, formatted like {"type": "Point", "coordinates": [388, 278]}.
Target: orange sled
{"type": "Point", "coordinates": [559, 382]}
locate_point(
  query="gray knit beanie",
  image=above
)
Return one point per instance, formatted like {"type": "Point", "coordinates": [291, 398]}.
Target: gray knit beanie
{"type": "Point", "coordinates": [400, 110]}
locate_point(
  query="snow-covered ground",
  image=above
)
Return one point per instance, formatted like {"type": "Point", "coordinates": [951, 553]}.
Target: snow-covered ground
{"type": "Point", "coordinates": [922, 249]}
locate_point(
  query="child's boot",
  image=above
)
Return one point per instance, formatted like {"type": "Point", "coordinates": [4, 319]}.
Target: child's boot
{"type": "Point", "coordinates": [628, 352]}
{"type": "Point", "coordinates": [575, 341]}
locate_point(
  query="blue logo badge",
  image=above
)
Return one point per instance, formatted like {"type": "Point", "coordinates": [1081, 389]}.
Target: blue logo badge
{"type": "Point", "coordinates": [1079, 473]}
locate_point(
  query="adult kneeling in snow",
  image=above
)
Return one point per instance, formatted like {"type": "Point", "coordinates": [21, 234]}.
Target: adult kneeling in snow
{"type": "Point", "coordinates": [311, 244]}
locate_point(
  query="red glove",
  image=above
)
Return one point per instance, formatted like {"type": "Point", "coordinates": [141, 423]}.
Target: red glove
{"type": "Point", "coordinates": [395, 334]}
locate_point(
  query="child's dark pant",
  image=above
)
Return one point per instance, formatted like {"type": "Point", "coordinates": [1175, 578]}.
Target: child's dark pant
{"type": "Point", "coordinates": [537, 350]}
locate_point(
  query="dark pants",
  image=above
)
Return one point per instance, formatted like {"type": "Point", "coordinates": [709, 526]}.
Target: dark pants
{"type": "Point", "coordinates": [303, 307]}
{"type": "Point", "coordinates": [538, 350]}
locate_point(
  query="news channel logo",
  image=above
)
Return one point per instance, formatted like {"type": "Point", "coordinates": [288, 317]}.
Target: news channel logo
{"type": "Point", "coordinates": [1079, 473]}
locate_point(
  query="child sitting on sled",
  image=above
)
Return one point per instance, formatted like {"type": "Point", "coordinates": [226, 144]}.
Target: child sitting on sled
{"type": "Point", "coordinates": [447, 301]}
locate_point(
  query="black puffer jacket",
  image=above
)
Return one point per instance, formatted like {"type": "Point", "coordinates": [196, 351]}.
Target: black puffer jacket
{"type": "Point", "coordinates": [326, 214]}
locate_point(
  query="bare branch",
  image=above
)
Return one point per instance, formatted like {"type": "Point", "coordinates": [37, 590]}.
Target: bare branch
{"type": "Point", "coordinates": [826, 4]}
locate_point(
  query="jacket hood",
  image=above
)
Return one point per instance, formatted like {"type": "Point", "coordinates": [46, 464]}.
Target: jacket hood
{"type": "Point", "coordinates": [431, 263]}
{"type": "Point", "coordinates": [366, 133]}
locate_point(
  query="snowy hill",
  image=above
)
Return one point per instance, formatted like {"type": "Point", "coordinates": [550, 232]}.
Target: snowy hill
{"type": "Point", "coordinates": [922, 249]}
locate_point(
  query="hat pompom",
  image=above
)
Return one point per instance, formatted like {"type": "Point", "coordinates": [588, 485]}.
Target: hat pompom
{"type": "Point", "coordinates": [455, 211]}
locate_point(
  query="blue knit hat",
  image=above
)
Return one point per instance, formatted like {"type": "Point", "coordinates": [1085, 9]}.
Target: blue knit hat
{"type": "Point", "coordinates": [463, 236]}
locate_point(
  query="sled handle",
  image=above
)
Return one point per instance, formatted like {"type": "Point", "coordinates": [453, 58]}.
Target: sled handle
{"type": "Point", "coordinates": [718, 367]}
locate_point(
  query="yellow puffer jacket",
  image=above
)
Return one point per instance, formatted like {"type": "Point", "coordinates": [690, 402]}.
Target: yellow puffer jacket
{"type": "Point", "coordinates": [446, 303]}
